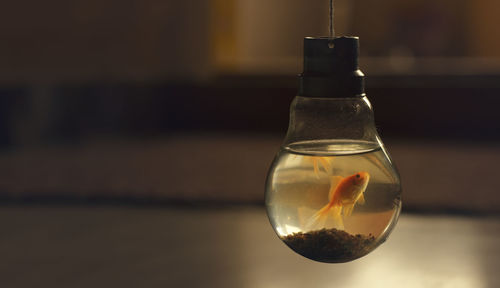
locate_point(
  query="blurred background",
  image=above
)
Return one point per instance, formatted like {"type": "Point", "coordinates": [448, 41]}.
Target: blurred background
{"type": "Point", "coordinates": [182, 103]}
{"type": "Point", "coordinates": [159, 100]}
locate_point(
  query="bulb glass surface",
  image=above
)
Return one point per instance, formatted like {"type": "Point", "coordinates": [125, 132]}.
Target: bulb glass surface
{"type": "Point", "coordinates": [332, 192]}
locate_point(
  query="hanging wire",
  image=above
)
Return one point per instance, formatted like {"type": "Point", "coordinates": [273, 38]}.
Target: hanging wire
{"type": "Point", "coordinates": [332, 31]}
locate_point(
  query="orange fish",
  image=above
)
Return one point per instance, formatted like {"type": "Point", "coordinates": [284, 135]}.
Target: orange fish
{"type": "Point", "coordinates": [316, 161]}
{"type": "Point", "coordinates": [344, 194]}
{"type": "Point", "coordinates": [324, 161]}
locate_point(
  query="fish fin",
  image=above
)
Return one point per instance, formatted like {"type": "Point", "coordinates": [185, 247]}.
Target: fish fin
{"type": "Point", "coordinates": [334, 182]}
{"type": "Point", "coordinates": [319, 218]}
{"type": "Point", "coordinates": [326, 163]}
{"type": "Point", "coordinates": [335, 212]}
{"type": "Point", "coordinates": [304, 214]}
{"type": "Point", "coordinates": [348, 209]}
{"type": "Point", "coordinates": [316, 168]}
{"type": "Point", "coordinates": [361, 199]}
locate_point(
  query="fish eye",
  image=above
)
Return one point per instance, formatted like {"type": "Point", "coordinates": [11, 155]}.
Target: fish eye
{"type": "Point", "coordinates": [357, 176]}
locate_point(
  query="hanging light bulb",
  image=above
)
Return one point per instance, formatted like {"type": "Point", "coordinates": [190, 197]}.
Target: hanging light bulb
{"type": "Point", "coordinates": [332, 192]}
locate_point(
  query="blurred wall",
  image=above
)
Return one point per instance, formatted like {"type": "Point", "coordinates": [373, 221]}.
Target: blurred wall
{"type": "Point", "coordinates": [266, 36]}
{"type": "Point", "coordinates": [414, 27]}
{"type": "Point", "coordinates": [484, 22]}
{"type": "Point", "coordinates": [87, 40]}
{"type": "Point", "coordinates": [271, 31]}
{"type": "Point", "coordinates": [57, 41]}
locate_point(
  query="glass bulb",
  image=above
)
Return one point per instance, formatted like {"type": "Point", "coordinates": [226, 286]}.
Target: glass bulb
{"type": "Point", "coordinates": [333, 193]}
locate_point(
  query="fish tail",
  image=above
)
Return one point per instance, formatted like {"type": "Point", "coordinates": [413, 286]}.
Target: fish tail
{"type": "Point", "coordinates": [316, 168]}
{"type": "Point", "coordinates": [319, 218]}
{"type": "Point", "coordinates": [326, 163]}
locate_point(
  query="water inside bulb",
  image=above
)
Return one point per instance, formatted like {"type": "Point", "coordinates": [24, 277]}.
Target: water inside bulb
{"type": "Point", "coordinates": [315, 206]}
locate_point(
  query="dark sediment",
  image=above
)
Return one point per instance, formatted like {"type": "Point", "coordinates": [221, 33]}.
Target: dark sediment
{"type": "Point", "coordinates": [329, 245]}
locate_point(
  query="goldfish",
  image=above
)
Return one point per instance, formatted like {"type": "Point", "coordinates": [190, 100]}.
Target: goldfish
{"type": "Point", "coordinates": [316, 161]}
{"type": "Point", "coordinates": [324, 161]}
{"type": "Point", "coordinates": [343, 195]}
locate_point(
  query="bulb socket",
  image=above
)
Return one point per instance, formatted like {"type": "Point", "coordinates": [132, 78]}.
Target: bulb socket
{"type": "Point", "coordinates": [331, 68]}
